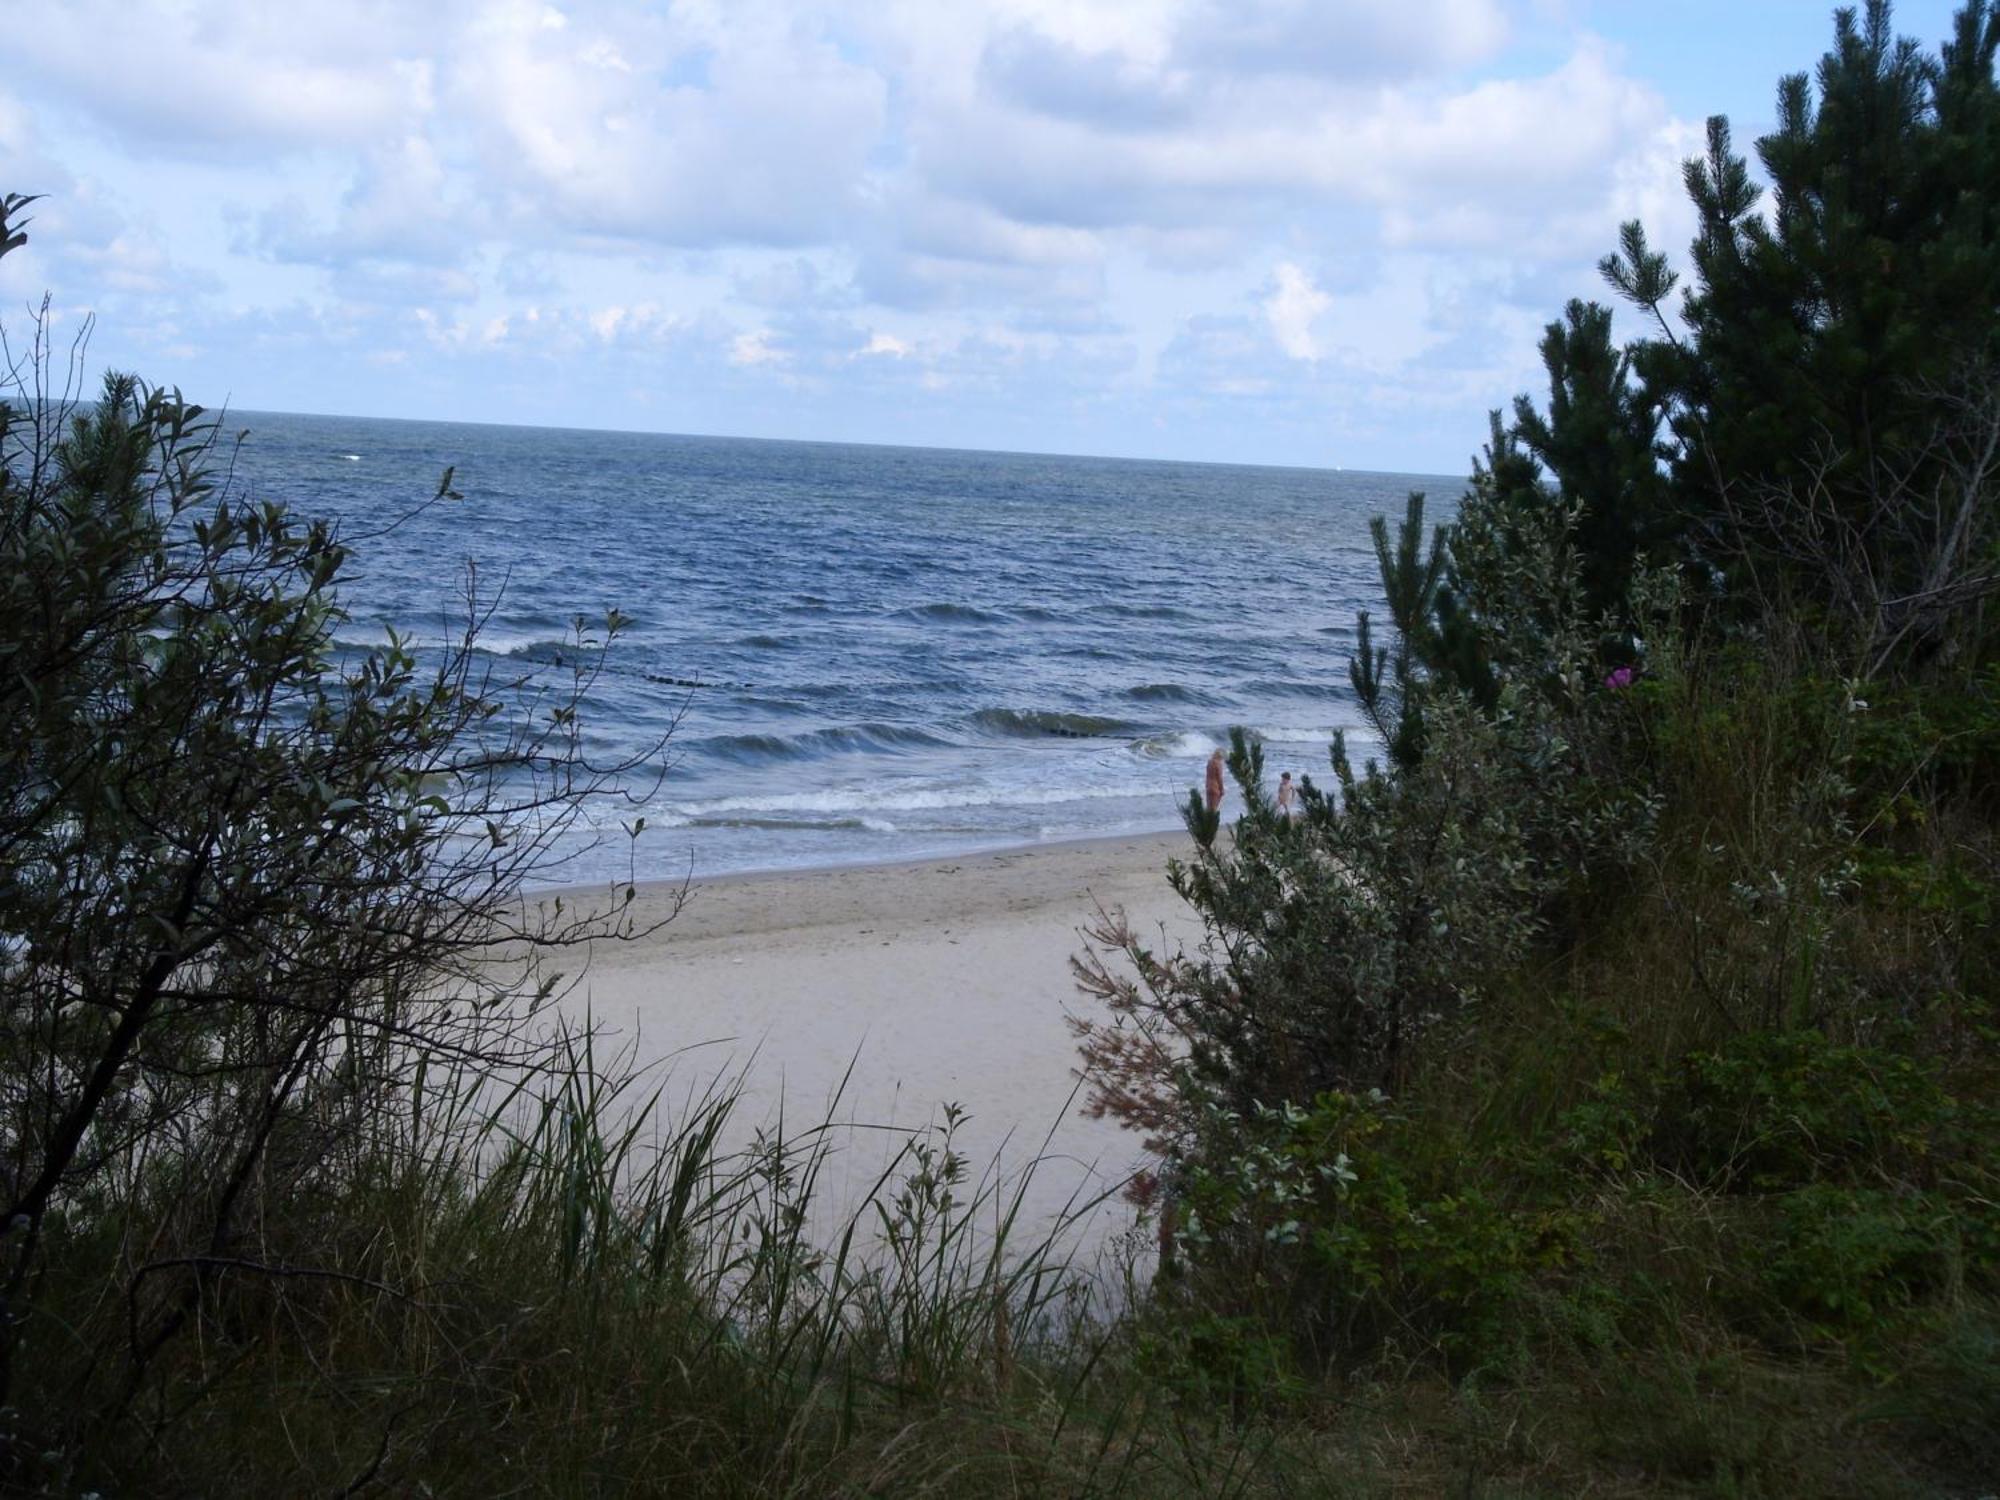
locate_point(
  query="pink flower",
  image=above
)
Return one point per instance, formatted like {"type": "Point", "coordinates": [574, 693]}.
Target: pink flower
{"type": "Point", "coordinates": [1622, 678]}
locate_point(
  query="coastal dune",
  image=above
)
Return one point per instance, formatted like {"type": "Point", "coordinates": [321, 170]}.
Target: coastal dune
{"type": "Point", "coordinates": [872, 996]}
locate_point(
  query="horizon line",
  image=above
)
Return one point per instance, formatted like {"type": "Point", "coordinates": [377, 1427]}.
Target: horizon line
{"type": "Point", "coordinates": [1206, 463]}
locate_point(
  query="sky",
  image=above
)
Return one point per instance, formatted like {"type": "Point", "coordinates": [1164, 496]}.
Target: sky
{"type": "Point", "coordinates": [1260, 231]}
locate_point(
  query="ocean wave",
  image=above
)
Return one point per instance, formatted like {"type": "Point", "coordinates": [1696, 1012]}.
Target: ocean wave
{"type": "Point", "coordinates": [1272, 687]}
{"type": "Point", "coordinates": [568, 652]}
{"type": "Point", "coordinates": [1290, 734]}
{"type": "Point", "coordinates": [771, 704]}
{"type": "Point", "coordinates": [413, 640]}
{"type": "Point", "coordinates": [558, 650]}
{"type": "Point", "coordinates": [1142, 611]}
{"type": "Point", "coordinates": [893, 799]}
{"type": "Point", "coordinates": [1037, 723]}
{"type": "Point", "coordinates": [856, 824]}
{"type": "Point", "coordinates": [753, 749]}
{"type": "Point", "coordinates": [1168, 692]}
{"type": "Point", "coordinates": [765, 641]}
{"type": "Point", "coordinates": [1176, 744]}
{"type": "Point", "coordinates": [953, 614]}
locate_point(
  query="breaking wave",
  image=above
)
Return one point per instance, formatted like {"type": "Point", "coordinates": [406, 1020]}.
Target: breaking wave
{"type": "Point", "coordinates": [848, 739]}
{"type": "Point", "coordinates": [1040, 723]}
{"type": "Point", "coordinates": [1177, 743]}
{"type": "Point", "coordinates": [890, 800]}
{"type": "Point", "coordinates": [1169, 692]}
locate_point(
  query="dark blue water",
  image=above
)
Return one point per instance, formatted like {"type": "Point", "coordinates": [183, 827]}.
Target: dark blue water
{"type": "Point", "coordinates": [902, 651]}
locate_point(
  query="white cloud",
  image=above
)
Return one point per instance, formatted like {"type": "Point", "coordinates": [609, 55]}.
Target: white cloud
{"type": "Point", "coordinates": [1537, 165]}
{"type": "Point", "coordinates": [1291, 310]}
{"type": "Point", "coordinates": [754, 131]}
{"type": "Point", "coordinates": [401, 205]}
{"type": "Point", "coordinates": [1364, 40]}
{"type": "Point", "coordinates": [756, 348]}
{"type": "Point", "coordinates": [235, 78]}
{"type": "Point", "coordinates": [1024, 132]}
{"type": "Point", "coordinates": [1236, 197]}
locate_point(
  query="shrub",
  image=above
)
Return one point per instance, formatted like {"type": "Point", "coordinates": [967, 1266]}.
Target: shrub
{"type": "Point", "coordinates": [1846, 1256]}
{"type": "Point", "coordinates": [247, 876]}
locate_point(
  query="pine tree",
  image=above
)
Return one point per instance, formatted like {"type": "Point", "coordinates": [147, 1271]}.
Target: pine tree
{"type": "Point", "coordinates": [1596, 443]}
{"type": "Point", "coordinates": [1386, 678]}
{"type": "Point", "coordinates": [1828, 407]}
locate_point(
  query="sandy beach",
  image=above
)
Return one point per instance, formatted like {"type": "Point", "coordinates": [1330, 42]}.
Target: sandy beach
{"type": "Point", "coordinates": [937, 981]}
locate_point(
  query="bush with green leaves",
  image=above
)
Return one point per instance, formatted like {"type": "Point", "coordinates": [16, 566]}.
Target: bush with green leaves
{"type": "Point", "coordinates": [1354, 1226]}
{"type": "Point", "coordinates": [1683, 726]}
{"type": "Point", "coordinates": [1338, 939]}
{"type": "Point", "coordinates": [246, 874]}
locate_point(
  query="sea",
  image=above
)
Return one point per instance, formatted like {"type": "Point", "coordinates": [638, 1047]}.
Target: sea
{"type": "Point", "coordinates": [855, 653]}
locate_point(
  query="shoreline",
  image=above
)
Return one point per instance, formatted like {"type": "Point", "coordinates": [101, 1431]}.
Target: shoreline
{"type": "Point", "coordinates": [1176, 833]}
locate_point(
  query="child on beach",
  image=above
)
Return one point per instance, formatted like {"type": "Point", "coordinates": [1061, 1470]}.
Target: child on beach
{"type": "Point", "coordinates": [1288, 796]}
{"type": "Point", "coordinates": [1215, 781]}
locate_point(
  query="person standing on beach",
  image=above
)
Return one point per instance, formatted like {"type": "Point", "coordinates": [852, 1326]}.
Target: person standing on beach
{"type": "Point", "coordinates": [1288, 796]}
{"type": "Point", "coordinates": [1215, 782]}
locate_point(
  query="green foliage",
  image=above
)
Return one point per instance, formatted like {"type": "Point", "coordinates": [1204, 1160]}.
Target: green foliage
{"type": "Point", "coordinates": [1596, 444]}
{"type": "Point", "coordinates": [1833, 314]}
{"type": "Point", "coordinates": [1830, 406]}
{"type": "Point", "coordinates": [1665, 934]}
{"type": "Point", "coordinates": [1212, 1361]}
{"type": "Point", "coordinates": [560, 1288]}
{"type": "Point", "coordinates": [1912, 746]}
{"type": "Point", "coordinates": [1203, 822]}
{"type": "Point", "coordinates": [14, 228]}
{"type": "Point", "coordinates": [1386, 679]}
{"type": "Point", "coordinates": [246, 877]}
{"type": "Point", "coordinates": [1351, 1225]}
{"type": "Point", "coordinates": [1835, 1187]}
{"type": "Point", "coordinates": [1771, 1110]}
{"type": "Point", "coordinates": [1341, 935]}
{"type": "Point", "coordinates": [1845, 1256]}
{"type": "Point", "coordinates": [1813, 424]}
{"type": "Point", "coordinates": [1774, 1112]}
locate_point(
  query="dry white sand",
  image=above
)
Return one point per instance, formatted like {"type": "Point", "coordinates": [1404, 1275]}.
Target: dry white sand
{"type": "Point", "coordinates": [939, 981]}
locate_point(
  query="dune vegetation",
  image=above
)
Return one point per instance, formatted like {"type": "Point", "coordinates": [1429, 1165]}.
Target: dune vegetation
{"type": "Point", "coordinates": [1596, 1094]}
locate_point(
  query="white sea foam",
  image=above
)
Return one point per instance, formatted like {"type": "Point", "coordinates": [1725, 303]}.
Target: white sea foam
{"type": "Point", "coordinates": [1293, 735]}
{"type": "Point", "coordinates": [903, 799]}
{"type": "Point", "coordinates": [1193, 743]}
{"type": "Point", "coordinates": [1182, 744]}
{"type": "Point", "coordinates": [496, 641]}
